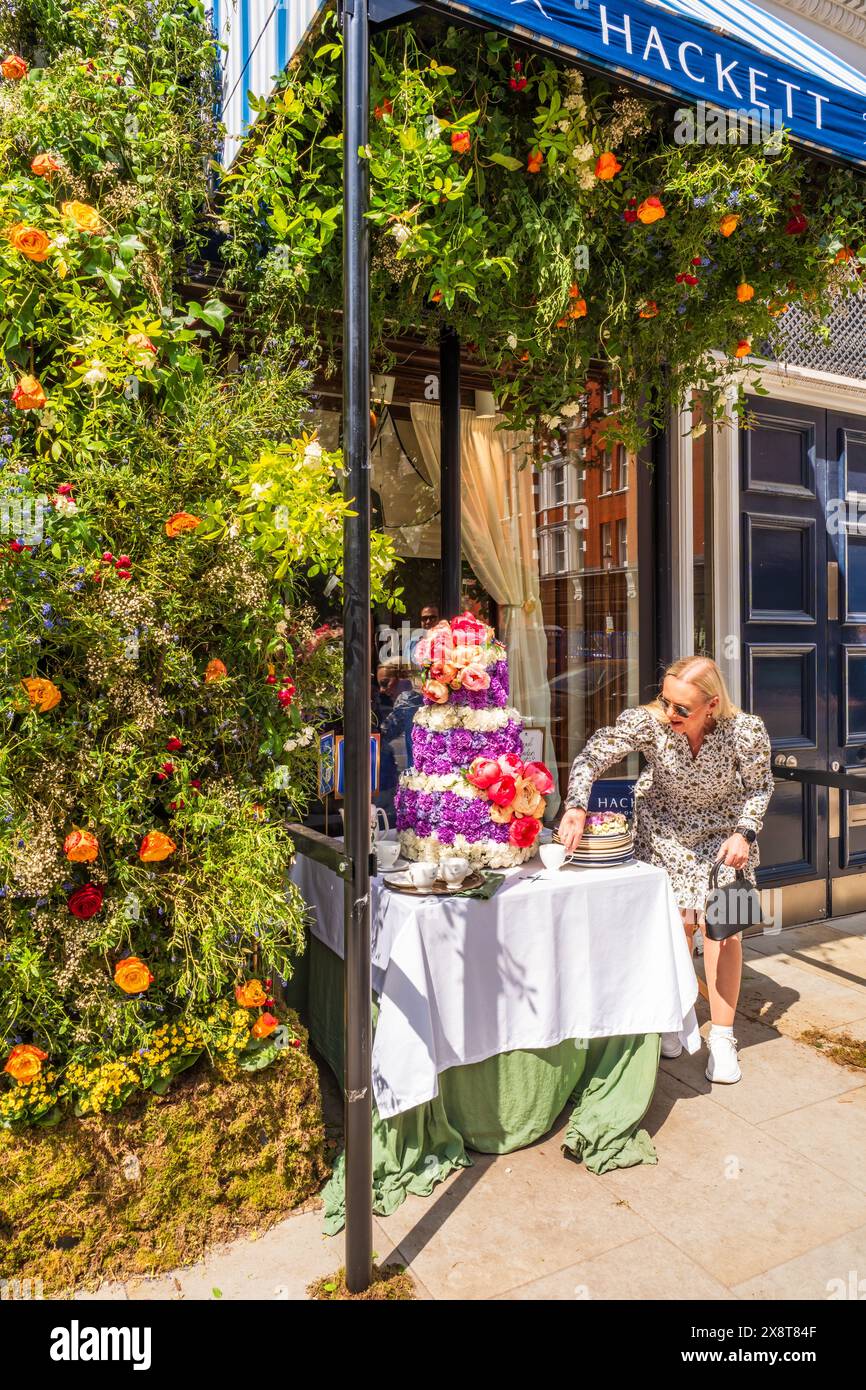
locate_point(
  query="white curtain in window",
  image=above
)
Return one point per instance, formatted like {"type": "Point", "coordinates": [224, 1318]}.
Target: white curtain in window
{"type": "Point", "coordinates": [499, 540]}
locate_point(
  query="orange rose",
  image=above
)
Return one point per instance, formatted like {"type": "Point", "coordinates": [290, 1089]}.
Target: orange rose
{"type": "Point", "coordinates": [80, 847]}
{"type": "Point", "coordinates": [180, 522]}
{"type": "Point", "coordinates": [264, 1026]}
{"type": "Point", "coordinates": [435, 692]}
{"type": "Point", "coordinates": [44, 165]}
{"type": "Point", "coordinates": [42, 694]}
{"type": "Point", "coordinates": [501, 815]}
{"type": "Point", "coordinates": [436, 297]}
{"type": "Point", "coordinates": [729, 223]}
{"type": "Point", "coordinates": [28, 394]}
{"type": "Point", "coordinates": [650, 309]}
{"type": "Point", "coordinates": [85, 217]}
{"type": "Point", "coordinates": [578, 309]}
{"type": "Point", "coordinates": [24, 1063]}
{"type": "Point", "coordinates": [13, 68]}
{"type": "Point", "coordinates": [776, 308]}
{"type": "Point", "coordinates": [140, 346]}
{"type": "Point", "coordinates": [251, 994]}
{"type": "Point", "coordinates": [215, 670]}
{"type": "Point", "coordinates": [607, 166]}
{"type": "Point", "coordinates": [132, 975]}
{"type": "Point", "coordinates": [743, 348]}
{"type": "Point", "coordinates": [460, 141]}
{"type": "Point", "coordinates": [155, 847]}
{"type": "Point", "coordinates": [444, 671]}
{"type": "Point", "coordinates": [534, 162]}
{"type": "Point", "coordinates": [846, 254]}
{"type": "Point", "coordinates": [651, 210]}
{"type": "Point", "coordinates": [745, 292]}
{"type": "Point", "coordinates": [30, 242]}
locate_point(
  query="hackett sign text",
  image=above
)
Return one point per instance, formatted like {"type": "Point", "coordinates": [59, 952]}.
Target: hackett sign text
{"type": "Point", "coordinates": [689, 59]}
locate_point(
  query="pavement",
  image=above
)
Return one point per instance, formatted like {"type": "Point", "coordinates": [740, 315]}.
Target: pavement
{"type": "Point", "coordinates": [759, 1192]}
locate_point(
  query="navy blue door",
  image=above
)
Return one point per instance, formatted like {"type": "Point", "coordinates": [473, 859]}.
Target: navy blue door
{"type": "Point", "coordinates": [785, 635]}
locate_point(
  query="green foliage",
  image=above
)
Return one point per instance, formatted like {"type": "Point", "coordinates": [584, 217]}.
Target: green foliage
{"type": "Point", "coordinates": [162, 679]}
{"type": "Point", "coordinates": [488, 212]}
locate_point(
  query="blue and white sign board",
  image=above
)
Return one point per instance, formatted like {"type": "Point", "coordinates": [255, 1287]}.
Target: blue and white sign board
{"type": "Point", "coordinates": [613, 794]}
{"type": "Point", "coordinates": [820, 98]}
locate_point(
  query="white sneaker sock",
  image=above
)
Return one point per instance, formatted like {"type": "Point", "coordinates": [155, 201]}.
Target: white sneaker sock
{"type": "Point", "coordinates": [719, 1030]}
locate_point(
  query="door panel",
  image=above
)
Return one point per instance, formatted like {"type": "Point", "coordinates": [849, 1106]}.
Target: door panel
{"type": "Point", "coordinates": [846, 473]}
{"type": "Point", "coordinates": [784, 567]}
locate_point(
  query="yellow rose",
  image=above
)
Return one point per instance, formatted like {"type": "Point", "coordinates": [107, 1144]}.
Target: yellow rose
{"type": "Point", "coordinates": [132, 975]}
{"type": "Point", "coordinates": [42, 694]}
{"type": "Point", "coordinates": [85, 217]}
{"type": "Point", "coordinates": [528, 800]}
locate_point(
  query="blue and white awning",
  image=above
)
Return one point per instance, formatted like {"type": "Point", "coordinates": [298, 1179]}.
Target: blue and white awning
{"type": "Point", "coordinates": [727, 53]}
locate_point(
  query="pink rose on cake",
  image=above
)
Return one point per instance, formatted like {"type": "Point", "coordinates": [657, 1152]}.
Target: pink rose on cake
{"type": "Point", "coordinates": [482, 773]}
{"type": "Point", "coordinates": [464, 656]}
{"type": "Point", "coordinates": [539, 776]}
{"type": "Point", "coordinates": [524, 831]}
{"type": "Point", "coordinates": [443, 671]}
{"type": "Point", "coordinates": [472, 628]}
{"type": "Point", "coordinates": [435, 692]}
{"type": "Point", "coordinates": [511, 764]}
{"type": "Point", "coordinates": [475, 678]}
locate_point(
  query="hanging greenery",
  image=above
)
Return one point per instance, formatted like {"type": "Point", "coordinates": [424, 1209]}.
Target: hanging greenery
{"type": "Point", "coordinates": [552, 220]}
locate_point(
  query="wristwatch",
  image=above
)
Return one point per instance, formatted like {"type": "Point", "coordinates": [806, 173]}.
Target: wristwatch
{"type": "Point", "coordinates": [747, 834]}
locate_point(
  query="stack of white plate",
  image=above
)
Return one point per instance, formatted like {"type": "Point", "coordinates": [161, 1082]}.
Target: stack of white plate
{"type": "Point", "coordinates": [603, 850]}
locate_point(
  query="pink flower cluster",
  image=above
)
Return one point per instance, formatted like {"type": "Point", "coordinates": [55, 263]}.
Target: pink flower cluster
{"type": "Point", "coordinates": [453, 656]}
{"type": "Point", "coordinates": [516, 790]}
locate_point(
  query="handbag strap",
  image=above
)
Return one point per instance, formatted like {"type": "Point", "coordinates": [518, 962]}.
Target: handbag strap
{"type": "Point", "coordinates": [714, 875]}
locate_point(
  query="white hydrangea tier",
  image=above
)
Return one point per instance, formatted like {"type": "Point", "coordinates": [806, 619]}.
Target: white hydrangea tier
{"type": "Point", "coordinates": [439, 719]}
{"type": "Point", "coordinates": [439, 782]}
{"type": "Point", "coordinates": [482, 854]}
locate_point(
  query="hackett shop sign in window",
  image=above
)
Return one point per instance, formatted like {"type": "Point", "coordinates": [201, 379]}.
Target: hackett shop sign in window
{"type": "Point", "coordinates": [679, 55]}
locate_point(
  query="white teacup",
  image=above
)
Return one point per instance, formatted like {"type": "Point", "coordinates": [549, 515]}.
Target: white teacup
{"type": "Point", "coordinates": [454, 869]}
{"type": "Point", "coordinates": [552, 856]}
{"type": "Point", "coordinates": [387, 853]}
{"type": "Point", "coordinates": [423, 875]}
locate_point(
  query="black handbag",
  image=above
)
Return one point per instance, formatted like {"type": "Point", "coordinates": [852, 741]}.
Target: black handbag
{"type": "Point", "coordinates": [731, 906]}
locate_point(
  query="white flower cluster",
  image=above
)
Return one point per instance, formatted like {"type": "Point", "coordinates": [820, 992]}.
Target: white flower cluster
{"type": "Point", "coordinates": [440, 718]}
{"type": "Point", "coordinates": [302, 739]}
{"type": "Point", "coordinates": [438, 782]}
{"type": "Point", "coordinates": [488, 854]}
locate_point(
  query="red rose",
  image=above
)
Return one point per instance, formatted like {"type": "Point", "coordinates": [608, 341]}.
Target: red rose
{"type": "Point", "coordinates": [511, 765]}
{"type": "Point", "coordinates": [168, 769]}
{"type": "Point", "coordinates": [539, 776]}
{"type": "Point", "coordinates": [173, 745]}
{"type": "Point", "coordinates": [86, 901]}
{"type": "Point", "coordinates": [797, 222]}
{"type": "Point", "coordinates": [503, 792]}
{"type": "Point", "coordinates": [523, 831]}
{"type": "Point", "coordinates": [630, 215]}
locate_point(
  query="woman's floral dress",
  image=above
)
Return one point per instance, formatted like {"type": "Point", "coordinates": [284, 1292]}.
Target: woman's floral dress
{"type": "Point", "coordinates": [685, 806]}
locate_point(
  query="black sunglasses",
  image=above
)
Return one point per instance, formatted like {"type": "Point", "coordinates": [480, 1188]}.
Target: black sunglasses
{"type": "Point", "coordinates": [682, 710]}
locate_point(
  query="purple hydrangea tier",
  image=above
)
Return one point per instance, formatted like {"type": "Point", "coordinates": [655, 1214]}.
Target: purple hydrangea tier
{"type": "Point", "coordinates": [496, 695]}
{"type": "Point", "coordinates": [446, 815]}
{"type": "Point", "coordinates": [438, 754]}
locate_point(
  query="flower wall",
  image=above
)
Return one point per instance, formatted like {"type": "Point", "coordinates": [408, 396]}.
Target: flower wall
{"type": "Point", "coordinates": [162, 673]}
{"type": "Point", "coordinates": [552, 219]}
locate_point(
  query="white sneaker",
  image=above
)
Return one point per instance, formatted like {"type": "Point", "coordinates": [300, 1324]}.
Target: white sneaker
{"type": "Point", "coordinates": [723, 1065]}
{"type": "Point", "coordinates": [671, 1045]}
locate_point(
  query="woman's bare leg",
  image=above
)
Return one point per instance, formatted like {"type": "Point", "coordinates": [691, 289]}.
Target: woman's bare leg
{"type": "Point", "coordinates": [723, 963]}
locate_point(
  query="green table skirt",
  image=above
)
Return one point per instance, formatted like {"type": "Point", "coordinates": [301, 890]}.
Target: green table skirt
{"type": "Point", "coordinates": [494, 1106]}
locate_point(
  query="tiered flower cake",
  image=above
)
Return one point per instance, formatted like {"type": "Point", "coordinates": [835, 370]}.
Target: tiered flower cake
{"type": "Point", "coordinates": [469, 792]}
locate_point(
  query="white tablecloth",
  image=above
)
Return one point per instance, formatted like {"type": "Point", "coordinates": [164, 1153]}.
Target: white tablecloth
{"type": "Point", "coordinates": [578, 953]}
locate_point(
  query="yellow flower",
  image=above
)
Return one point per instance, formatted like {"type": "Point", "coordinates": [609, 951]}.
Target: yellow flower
{"type": "Point", "coordinates": [132, 975]}
{"type": "Point", "coordinates": [85, 217]}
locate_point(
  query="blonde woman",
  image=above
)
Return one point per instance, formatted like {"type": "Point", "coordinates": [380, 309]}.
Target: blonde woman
{"type": "Point", "coordinates": [701, 798]}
